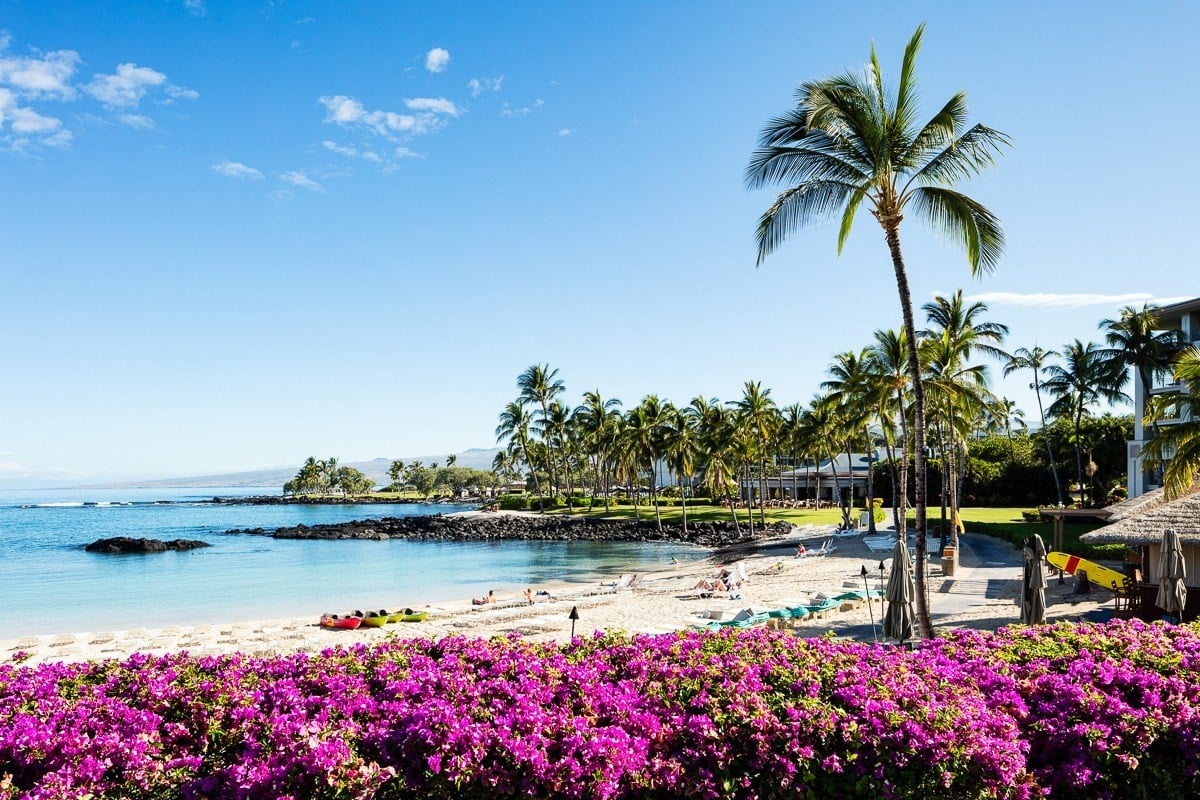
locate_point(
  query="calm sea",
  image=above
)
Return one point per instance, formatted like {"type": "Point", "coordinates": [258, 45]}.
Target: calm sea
{"type": "Point", "coordinates": [49, 584]}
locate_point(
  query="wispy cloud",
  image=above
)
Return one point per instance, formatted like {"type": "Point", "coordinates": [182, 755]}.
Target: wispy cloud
{"type": "Point", "coordinates": [1067, 300]}
{"type": "Point", "coordinates": [438, 105]}
{"type": "Point", "coordinates": [195, 7]}
{"type": "Point", "coordinates": [139, 121]}
{"type": "Point", "coordinates": [351, 152]}
{"type": "Point", "coordinates": [27, 128]}
{"type": "Point", "coordinates": [565, 132]}
{"type": "Point", "coordinates": [181, 93]}
{"type": "Point", "coordinates": [346, 111]}
{"type": "Point", "coordinates": [480, 85]}
{"type": "Point", "coordinates": [298, 178]}
{"type": "Point", "coordinates": [236, 169]}
{"type": "Point", "coordinates": [404, 152]}
{"type": "Point", "coordinates": [437, 59]}
{"type": "Point", "coordinates": [510, 111]}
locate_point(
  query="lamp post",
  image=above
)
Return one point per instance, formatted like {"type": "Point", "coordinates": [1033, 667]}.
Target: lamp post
{"type": "Point", "coordinates": [573, 616]}
{"type": "Point", "coordinates": [870, 608]}
{"type": "Point", "coordinates": [881, 569]}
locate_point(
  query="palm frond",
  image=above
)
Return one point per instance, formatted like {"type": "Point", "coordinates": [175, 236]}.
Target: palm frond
{"type": "Point", "coordinates": [848, 218]}
{"type": "Point", "coordinates": [810, 161]}
{"type": "Point", "coordinates": [939, 131]}
{"type": "Point", "coordinates": [906, 90]}
{"type": "Point", "coordinates": [797, 208]}
{"type": "Point", "coordinates": [966, 222]}
{"type": "Point", "coordinates": [844, 108]}
{"type": "Point", "coordinates": [964, 157]}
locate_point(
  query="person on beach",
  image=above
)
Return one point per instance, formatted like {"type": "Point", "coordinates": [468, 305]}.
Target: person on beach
{"type": "Point", "coordinates": [801, 551]}
{"type": "Point", "coordinates": [483, 601]}
{"type": "Point", "coordinates": [529, 596]}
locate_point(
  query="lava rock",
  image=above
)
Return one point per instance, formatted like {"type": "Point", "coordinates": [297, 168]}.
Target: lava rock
{"type": "Point", "coordinates": [127, 544]}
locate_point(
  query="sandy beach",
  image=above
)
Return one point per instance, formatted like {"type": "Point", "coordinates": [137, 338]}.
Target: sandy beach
{"type": "Point", "coordinates": [980, 594]}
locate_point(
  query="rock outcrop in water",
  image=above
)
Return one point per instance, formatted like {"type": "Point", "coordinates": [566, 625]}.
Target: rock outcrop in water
{"type": "Point", "coordinates": [506, 527]}
{"type": "Point", "coordinates": [127, 544]}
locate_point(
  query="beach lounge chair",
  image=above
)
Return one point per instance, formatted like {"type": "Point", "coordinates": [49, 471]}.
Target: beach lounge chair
{"type": "Point", "coordinates": [610, 587]}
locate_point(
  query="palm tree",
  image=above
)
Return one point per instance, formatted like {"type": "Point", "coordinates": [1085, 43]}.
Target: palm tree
{"type": "Point", "coordinates": [852, 392]}
{"type": "Point", "coordinates": [717, 435]}
{"type": "Point", "coordinates": [538, 385]}
{"type": "Point", "coordinates": [848, 140]}
{"type": "Point", "coordinates": [958, 331]}
{"type": "Point", "coordinates": [1133, 342]}
{"type": "Point", "coordinates": [1036, 360]}
{"type": "Point", "coordinates": [887, 362]}
{"type": "Point", "coordinates": [1178, 445]}
{"type": "Point", "coordinates": [643, 441]}
{"type": "Point", "coordinates": [756, 411]}
{"type": "Point", "coordinates": [1084, 378]}
{"type": "Point", "coordinates": [514, 427]}
{"type": "Point", "coordinates": [597, 420]}
{"type": "Point", "coordinates": [681, 448]}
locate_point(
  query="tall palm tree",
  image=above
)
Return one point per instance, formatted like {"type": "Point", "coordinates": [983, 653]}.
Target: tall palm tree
{"type": "Point", "coordinates": [852, 391]}
{"type": "Point", "coordinates": [681, 449]}
{"type": "Point", "coordinates": [757, 412]}
{"type": "Point", "coordinates": [1178, 445]}
{"type": "Point", "coordinates": [887, 362]}
{"type": "Point", "coordinates": [716, 432]}
{"type": "Point", "coordinates": [1085, 378]}
{"type": "Point", "coordinates": [849, 140]}
{"type": "Point", "coordinates": [538, 385]}
{"type": "Point", "coordinates": [1133, 342]}
{"type": "Point", "coordinates": [514, 427]}
{"type": "Point", "coordinates": [596, 419]}
{"type": "Point", "coordinates": [958, 331]}
{"type": "Point", "coordinates": [643, 441]}
{"type": "Point", "coordinates": [1036, 359]}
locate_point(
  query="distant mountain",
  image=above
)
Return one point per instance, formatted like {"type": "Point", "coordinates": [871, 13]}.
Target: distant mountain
{"type": "Point", "coordinates": [376, 469]}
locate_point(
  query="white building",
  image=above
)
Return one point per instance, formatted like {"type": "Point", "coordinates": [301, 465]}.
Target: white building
{"type": "Point", "coordinates": [1184, 317]}
{"type": "Point", "coordinates": [822, 481]}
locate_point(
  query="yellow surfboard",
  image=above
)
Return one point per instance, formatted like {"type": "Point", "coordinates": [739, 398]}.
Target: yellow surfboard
{"type": "Point", "coordinates": [1100, 575]}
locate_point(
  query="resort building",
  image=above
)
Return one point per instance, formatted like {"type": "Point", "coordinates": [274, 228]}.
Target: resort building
{"type": "Point", "coordinates": [823, 481]}
{"type": "Point", "coordinates": [1184, 317]}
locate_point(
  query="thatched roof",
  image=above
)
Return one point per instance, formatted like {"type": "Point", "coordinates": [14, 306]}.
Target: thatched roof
{"type": "Point", "coordinates": [1143, 519]}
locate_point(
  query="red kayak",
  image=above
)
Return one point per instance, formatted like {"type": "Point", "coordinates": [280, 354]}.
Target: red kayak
{"type": "Point", "coordinates": [347, 622]}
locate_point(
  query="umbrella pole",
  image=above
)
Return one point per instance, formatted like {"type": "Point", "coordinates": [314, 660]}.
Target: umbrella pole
{"type": "Point", "coordinates": [870, 608]}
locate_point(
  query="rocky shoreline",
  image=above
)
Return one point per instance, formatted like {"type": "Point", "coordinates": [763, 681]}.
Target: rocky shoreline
{"type": "Point", "coordinates": [519, 526]}
{"type": "Point", "coordinates": [126, 544]}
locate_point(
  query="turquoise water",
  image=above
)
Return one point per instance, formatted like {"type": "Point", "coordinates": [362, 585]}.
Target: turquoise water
{"type": "Point", "coordinates": [49, 584]}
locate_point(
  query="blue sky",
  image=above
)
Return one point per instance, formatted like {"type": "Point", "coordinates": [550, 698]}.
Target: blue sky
{"type": "Point", "coordinates": [238, 234]}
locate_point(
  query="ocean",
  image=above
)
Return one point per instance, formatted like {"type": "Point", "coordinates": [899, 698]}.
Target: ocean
{"type": "Point", "coordinates": [50, 584]}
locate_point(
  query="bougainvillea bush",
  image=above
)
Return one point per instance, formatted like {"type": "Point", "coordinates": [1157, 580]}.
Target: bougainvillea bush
{"type": "Point", "coordinates": [1065, 711]}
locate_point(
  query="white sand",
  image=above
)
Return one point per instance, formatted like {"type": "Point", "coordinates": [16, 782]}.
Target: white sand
{"type": "Point", "coordinates": [977, 596]}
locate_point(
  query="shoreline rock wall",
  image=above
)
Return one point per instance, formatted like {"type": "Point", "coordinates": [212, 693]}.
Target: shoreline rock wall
{"type": "Point", "coordinates": [512, 526]}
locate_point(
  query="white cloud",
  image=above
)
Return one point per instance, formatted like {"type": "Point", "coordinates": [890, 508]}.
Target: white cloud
{"type": "Point", "coordinates": [1062, 300]}
{"type": "Point", "coordinates": [352, 152]}
{"type": "Point", "coordinates": [297, 178]}
{"type": "Point", "coordinates": [181, 93]}
{"type": "Point", "coordinates": [480, 85]}
{"type": "Point", "coordinates": [438, 105]}
{"type": "Point", "coordinates": [509, 111]}
{"type": "Point", "coordinates": [437, 59]}
{"type": "Point", "coordinates": [195, 7]}
{"type": "Point", "coordinates": [404, 152]}
{"type": "Point", "coordinates": [126, 87]}
{"type": "Point", "coordinates": [347, 111]}
{"type": "Point", "coordinates": [565, 132]}
{"type": "Point", "coordinates": [236, 169]}
{"type": "Point", "coordinates": [27, 127]}
{"type": "Point", "coordinates": [35, 77]}
{"type": "Point", "coordinates": [139, 121]}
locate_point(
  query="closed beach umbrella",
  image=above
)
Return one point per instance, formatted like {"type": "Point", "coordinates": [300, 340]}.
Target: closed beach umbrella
{"type": "Point", "coordinates": [898, 619]}
{"type": "Point", "coordinates": [1172, 594]}
{"type": "Point", "coordinates": [1033, 585]}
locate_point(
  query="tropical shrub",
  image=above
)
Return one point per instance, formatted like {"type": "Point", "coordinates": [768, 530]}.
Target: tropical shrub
{"type": "Point", "coordinates": [1067, 711]}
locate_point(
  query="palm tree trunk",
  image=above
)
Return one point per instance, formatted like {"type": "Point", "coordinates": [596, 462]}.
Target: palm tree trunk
{"type": "Point", "coordinates": [891, 231]}
{"type": "Point", "coordinates": [1079, 450]}
{"type": "Point", "coordinates": [870, 481]}
{"type": "Point", "coordinates": [762, 495]}
{"type": "Point", "coordinates": [1037, 389]}
{"type": "Point", "coordinates": [654, 492]}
